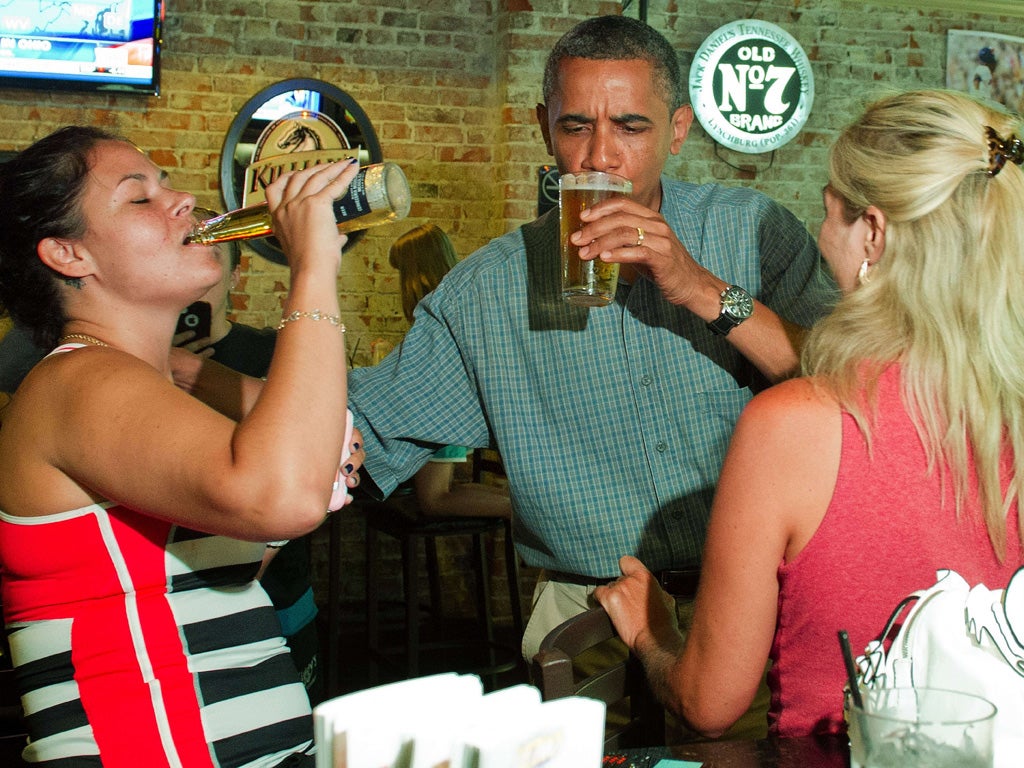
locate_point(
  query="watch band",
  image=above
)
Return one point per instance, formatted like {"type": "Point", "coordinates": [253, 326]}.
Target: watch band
{"type": "Point", "coordinates": [737, 306]}
{"type": "Point", "coordinates": [722, 324]}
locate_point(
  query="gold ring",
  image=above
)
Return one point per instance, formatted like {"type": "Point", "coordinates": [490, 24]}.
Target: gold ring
{"type": "Point", "coordinates": [639, 237]}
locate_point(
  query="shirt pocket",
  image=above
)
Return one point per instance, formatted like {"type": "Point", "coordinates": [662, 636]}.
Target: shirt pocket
{"type": "Point", "coordinates": [719, 410]}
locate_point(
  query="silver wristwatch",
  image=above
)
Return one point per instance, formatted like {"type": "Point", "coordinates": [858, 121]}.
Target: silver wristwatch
{"type": "Point", "coordinates": [737, 306]}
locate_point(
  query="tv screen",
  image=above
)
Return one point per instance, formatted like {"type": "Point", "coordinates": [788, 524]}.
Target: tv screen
{"type": "Point", "coordinates": [112, 45]}
{"type": "Point", "coordinates": [286, 103]}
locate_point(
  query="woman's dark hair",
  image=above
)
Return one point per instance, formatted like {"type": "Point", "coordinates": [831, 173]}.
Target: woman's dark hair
{"type": "Point", "coordinates": [41, 189]}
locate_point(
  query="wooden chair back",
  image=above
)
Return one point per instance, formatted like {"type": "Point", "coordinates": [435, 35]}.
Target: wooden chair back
{"type": "Point", "coordinates": [635, 717]}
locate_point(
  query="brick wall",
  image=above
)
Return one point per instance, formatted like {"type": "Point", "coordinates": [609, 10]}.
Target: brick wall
{"type": "Point", "coordinates": [451, 87]}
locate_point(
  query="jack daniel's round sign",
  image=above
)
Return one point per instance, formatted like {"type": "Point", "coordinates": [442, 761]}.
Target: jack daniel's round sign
{"type": "Point", "coordinates": [751, 86]}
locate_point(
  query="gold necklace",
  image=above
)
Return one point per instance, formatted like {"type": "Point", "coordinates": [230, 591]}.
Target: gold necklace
{"type": "Point", "coordinates": [83, 337]}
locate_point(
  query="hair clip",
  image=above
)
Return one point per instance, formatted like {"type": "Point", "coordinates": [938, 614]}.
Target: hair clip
{"type": "Point", "coordinates": [1000, 150]}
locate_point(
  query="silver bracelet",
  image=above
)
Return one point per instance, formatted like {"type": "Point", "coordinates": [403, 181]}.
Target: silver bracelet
{"type": "Point", "coordinates": [316, 314]}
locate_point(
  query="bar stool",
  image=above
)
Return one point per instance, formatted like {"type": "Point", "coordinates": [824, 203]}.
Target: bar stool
{"type": "Point", "coordinates": [410, 530]}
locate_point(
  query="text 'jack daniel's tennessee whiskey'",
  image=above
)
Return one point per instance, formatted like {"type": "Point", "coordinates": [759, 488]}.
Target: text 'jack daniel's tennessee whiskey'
{"type": "Point", "coordinates": [377, 195]}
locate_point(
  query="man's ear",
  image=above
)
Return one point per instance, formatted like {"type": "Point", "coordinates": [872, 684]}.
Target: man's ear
{"type": "Point", "coordinates": [682, 119]}
{"type": "Point", "coordinates": [545, 129]}
{"type": "Point", "coordinates": [63, 257]}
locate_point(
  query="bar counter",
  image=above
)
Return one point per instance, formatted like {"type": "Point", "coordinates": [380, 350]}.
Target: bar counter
{"type": "Point", "coordinates": [804, 752]}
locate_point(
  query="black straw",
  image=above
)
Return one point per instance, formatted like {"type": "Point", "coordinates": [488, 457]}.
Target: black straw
{"type": "Point", "coordinates": [851, 669]}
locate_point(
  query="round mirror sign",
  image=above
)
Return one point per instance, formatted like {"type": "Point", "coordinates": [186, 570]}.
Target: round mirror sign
{"type": "Point", "coordinates": [751, 86]}
{"type": "Point", "coordinates": [301, 115]}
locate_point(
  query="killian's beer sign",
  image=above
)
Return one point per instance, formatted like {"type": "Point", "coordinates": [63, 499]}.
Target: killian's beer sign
{"type": "Point", "coordinates": [290, 143]}
{"type": "Point", "coordinates": [751, 86]}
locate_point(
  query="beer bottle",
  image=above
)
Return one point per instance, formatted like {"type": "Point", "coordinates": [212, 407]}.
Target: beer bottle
{"type": "Point", "coordinates": [377, 195]}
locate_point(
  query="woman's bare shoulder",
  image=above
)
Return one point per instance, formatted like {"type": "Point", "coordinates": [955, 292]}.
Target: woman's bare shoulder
{"type": "Point", "coordinates": [82, 381]}
{"type": "Point", "coordinates": [799, 401]}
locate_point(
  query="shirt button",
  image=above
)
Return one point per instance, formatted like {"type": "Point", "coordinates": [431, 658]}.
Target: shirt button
{"type": "Point", "coordinates": [662, 446]}
{"type": "Point", "coordinates": [645, 380]}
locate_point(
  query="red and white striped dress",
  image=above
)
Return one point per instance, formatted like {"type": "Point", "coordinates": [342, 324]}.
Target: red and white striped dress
{"type": "Point", "coordinates": [141, 643]}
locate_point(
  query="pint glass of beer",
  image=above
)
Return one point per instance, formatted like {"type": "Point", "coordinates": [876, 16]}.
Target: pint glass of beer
{"type": "Point", "coordinates": [587, 283]}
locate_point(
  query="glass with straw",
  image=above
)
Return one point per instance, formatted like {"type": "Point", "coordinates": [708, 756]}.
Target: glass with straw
{"type": "Point", "coordinates": [916, 727]}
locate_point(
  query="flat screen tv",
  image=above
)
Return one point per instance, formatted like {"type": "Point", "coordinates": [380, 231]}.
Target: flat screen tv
{"type": "Point", "coordinates": [113, 45]}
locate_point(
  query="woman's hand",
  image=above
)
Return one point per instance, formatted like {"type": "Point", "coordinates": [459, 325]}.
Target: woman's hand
{"type": "Point", "coordinates": [202, 346]}
{"type": "Point", "coordinates": [185, 368]}
{"type": "Point", "coordinates": [640, 609]}
{"type": "Point", "coordinates": [348, 476]}
{"type": "Point", "coordinates": [222, 388]}
{"type": "Point", "coordinates": [645, 617]}
{"type": "Point", "coordinates": [300, 203]}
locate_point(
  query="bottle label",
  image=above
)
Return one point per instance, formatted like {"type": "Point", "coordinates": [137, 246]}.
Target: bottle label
{"type": "Point", "coordinates": [354, 203]}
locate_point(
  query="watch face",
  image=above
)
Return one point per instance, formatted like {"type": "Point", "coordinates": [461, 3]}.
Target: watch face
{"type": "Point", "coordinates": [737, 303]}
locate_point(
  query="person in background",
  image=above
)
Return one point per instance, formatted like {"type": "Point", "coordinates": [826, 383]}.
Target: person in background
{"type": "Point", "coordinates": [901, 452]}
{"type": "Point", "coordinates": [17, 356]}
{"type": "Point", "coordinates": [134, 518]}
{"type": "Point", "coordinates": [612, 422]}
{"type": "Point", "coordinates": [423, 256]}
{"type": "Point", "coordinates": [18, 353]}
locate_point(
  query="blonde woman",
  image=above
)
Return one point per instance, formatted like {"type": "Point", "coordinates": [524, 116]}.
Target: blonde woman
{"type": "Point", "coordinates": [901, 452]}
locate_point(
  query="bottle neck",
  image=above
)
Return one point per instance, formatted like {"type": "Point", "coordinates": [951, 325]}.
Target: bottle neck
{"type": "Point", "coordinates": [242, 224]}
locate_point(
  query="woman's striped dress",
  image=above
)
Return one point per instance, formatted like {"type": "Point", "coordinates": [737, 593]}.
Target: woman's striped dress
{"type": "Point", "coordinates": [139, 643]}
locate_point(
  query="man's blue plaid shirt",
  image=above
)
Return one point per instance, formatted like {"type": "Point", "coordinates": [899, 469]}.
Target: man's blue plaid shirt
{"type": "Point", "coordinates": [612, 421]}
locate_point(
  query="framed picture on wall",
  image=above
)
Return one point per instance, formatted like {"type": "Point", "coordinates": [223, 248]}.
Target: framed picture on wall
{"type": "Point", "coordinates": [987, 64]}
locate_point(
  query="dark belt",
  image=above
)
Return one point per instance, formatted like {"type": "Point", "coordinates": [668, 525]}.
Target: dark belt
{"type": "Point", "coordinates": [678, 582]}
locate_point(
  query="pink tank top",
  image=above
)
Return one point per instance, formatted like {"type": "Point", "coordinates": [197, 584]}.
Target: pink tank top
{"type": "Point", "coordinates": [885, 534]}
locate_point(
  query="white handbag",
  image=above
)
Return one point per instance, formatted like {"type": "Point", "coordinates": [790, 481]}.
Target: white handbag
{"type": "Point", "coordinates": [960, 638]}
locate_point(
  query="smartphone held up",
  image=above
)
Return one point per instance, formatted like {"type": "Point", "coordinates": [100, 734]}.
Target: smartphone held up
{"type": "Point", "coordinates": [196, 317]}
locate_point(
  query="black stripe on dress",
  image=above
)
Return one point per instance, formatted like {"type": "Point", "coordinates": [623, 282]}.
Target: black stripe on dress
{"type": "Point", "coordinates": [78, 761]}
{"type": "Point", "coordinates": [45, 671]}
{"type": "Point", "coordinates": [230, 631]}
{"type": "Point", "coordinates": [56, 719]}
{"type": "Point", "coordinates": [212, 578]}
{"type": "Point", "coordinates": [180, 533]}
{"type": "Point", "coordinates": [245, 747]}
{"type": "Point", "coordinates": [221, 685]}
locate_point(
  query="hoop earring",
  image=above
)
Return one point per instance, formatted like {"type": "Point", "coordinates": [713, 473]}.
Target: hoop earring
{"type": "Point", "coordinates": [863, 275]}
